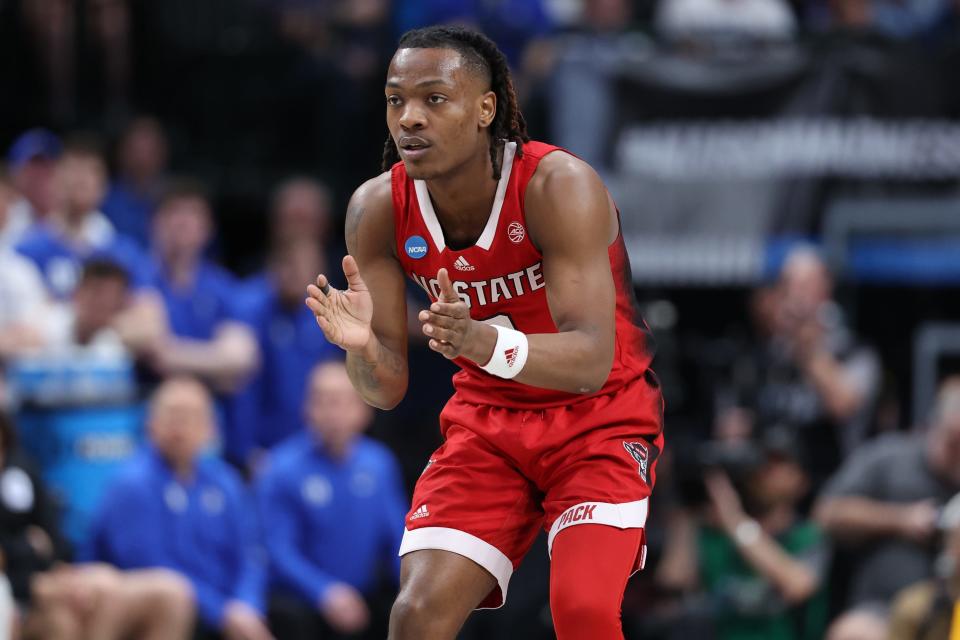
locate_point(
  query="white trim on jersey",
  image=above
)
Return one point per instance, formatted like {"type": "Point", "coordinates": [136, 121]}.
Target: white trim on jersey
{"type": "Point", "coordinates": [486, 238]}
{"type": "Point", "coordinates": [462, 543]}
{"type": "Point", "coordinates": [627, 515]}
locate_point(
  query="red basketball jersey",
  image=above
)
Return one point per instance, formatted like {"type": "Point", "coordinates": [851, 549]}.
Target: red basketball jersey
{"type": "Point", "coordinates": [501, 280]}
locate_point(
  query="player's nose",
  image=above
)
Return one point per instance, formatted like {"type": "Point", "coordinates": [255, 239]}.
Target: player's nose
{"type": "Point", "coordinates": [412, 118]}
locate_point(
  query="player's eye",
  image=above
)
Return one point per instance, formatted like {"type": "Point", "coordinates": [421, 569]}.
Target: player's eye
{"type": "Point", "coordinates": [437, 98]}
{"type": "Point", "coordinates": [393, 100]}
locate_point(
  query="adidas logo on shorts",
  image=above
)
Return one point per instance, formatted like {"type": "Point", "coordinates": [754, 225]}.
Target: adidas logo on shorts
{"type": "Point", "coordinates": [421, 512]}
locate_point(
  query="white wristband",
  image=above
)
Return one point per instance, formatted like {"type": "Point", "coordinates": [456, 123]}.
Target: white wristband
{"type": "Point", "coordinates": [509, 354]}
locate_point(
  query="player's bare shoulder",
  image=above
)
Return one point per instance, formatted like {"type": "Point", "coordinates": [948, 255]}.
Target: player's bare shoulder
{"type": "Point", "coordinates": [566, 190]}
{"type": "Point", "coordinates": [369, 221]}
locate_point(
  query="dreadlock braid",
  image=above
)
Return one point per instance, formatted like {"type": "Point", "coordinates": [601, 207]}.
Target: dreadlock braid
{"type": "Point", "coordinates": [482, 53]}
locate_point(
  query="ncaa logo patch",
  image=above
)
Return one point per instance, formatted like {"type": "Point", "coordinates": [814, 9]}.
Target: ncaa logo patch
{"type": "Point", "coordinates": [416, 247]}
{"type": "Point", "coordinates": [516, 232]}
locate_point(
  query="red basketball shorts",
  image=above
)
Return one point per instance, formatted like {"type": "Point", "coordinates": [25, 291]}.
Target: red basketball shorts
{"type": "Point", "coordinates": [501, 474]}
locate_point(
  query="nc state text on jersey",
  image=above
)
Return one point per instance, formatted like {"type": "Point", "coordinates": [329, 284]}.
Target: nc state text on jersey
{"type": "Point", "coordinates": [484, 292]}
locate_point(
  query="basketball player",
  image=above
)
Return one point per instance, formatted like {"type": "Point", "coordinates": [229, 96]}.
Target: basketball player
{"type": "Point", "coordinates": [556, 420]}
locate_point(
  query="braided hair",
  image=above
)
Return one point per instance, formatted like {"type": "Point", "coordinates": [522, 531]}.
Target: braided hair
{"type": "Point", "coordinates": [481, 53]}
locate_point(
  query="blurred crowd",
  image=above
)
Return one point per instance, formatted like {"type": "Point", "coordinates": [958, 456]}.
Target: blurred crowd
{"type": "Point", "coordinates": [182, 453]}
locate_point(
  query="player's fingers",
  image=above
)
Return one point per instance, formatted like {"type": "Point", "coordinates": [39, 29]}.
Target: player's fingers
{"type": "Point", "coordinates": [444, 335]}
{"type": "Point", "coordinates": [352, 273]}
{"type": "Point", "coordinates": [445, 322]}
{"type": "Point", "coordinates": [318, 307]}
{"type": "Point", "coordinates": [452, 309]}
{"type": "Point", "coordinates": [323, 284]}
{"type": "Point", "coordinates": [447, 294]}
{"type": "Point", "coordinates": [329, 331]}
{"type": "Point", "coordinates": [317, 294]}
{"type": "Point", "coordinates": [442, 348]}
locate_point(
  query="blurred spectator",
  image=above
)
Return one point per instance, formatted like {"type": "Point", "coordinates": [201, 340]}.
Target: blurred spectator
{"type": "Point", "coordinates": [22, 293]}
{"type": "Point", "coordinates": [289, 343]}
{"type": "Point", "coordinates": [75, 229]}
{"type": "Point", "coordinates": [884, 503]}
{"type": "Point", "coordinates": [753, 19]}
{"type": "Point", "coordinates": [141, 160]}
{"type": "Point", "coordinates": [335, 504]}
{"type": "Point", "coordinates": [76, 390]}
{"type": "Point", "coordinates": [29, 519]}
{"type": "Point", "coordinates": [88, 321]}
{"type": "Point", "coordinates": [101, 320]}
{"type": "Point", "coordinates": [342, 47]}
{"type": "Point", "coordinates": [58, 31]}
{"type": "Point", "coordinates": [205, 338]}
{"type": "Point", "coordinates": [582, 93]}
{"type": "Point", "coordinates": [301, 210]}
{"type": "Point", "coordinates": [925, 611]}
{"type": "Point", "coordinates": [809, 372]}
{"type": "Point", "coordinates": [32, 159]}
{"type": "Point", "coordinates": [174, 507]}
{"type": "Point", "coordinates": [512, 24]}
{"type": "Point", "coordinates": [899, 19]}
{"type": "Point", "coordinates": [83, 602]}
{"type": "Point", "coordinates": [73, 603]}
{"type": "Point", "coordinates": [52, 28]}
{"type": "Point", "coordinates": [108, 26]}
{"type": "Point", "coordinates": [760, 564]}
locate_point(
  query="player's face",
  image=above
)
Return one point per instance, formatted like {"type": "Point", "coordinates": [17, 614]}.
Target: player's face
{"type": "Point", "coordinates": [438, 110]}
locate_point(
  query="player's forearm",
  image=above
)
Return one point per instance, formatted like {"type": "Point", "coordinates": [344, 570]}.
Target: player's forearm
{"type": "Point", "coordinates": [573, 361]}
{"type": "Point", "coordinates": [378, 374]}
{"type": "Point", "coordinates": [855, 517]}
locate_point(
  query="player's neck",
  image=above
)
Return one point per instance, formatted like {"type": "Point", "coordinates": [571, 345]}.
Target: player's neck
{"type": "Point", "coordinates": [463, 198]}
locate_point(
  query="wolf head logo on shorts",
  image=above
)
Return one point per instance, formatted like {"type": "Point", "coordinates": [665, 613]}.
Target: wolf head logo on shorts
{"type": "Point", "coordinates": [638, 451]}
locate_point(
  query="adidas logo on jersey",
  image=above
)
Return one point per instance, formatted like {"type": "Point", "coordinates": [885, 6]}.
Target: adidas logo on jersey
{"type": "Point", "coordinates": [421, 512]}
{"type": "Point", "coordinates": [461, 264]}
{"type": "Point", "coordinates": [511, 355]}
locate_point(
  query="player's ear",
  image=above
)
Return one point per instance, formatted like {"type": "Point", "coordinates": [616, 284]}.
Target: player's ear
{"type": "Point", "coordinates": [488, 108]}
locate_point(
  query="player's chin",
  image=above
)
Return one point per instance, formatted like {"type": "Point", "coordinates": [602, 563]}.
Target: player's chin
{"type": "Point", "coordinates": [419, 170]}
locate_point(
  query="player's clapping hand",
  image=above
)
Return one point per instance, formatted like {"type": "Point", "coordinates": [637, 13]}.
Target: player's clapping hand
{"type": "Point", "coordinates": [344, 316]}
{"type": "Point", "coordinates": [451, 330]}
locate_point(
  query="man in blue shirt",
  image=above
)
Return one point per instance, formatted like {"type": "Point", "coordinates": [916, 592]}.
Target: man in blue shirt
{"type": "Point", "coordinates": [173, 507]}
{"type": "Point", "coordinates": [206, 337]}
{"type": "Point", "coordinates": [76, 230]}
{"type": "Point", "coordinates": [141, 174]}
{"type": "Point", "coordinates": [336, 507]}
{"type": "Point", "coordinates": [290, 345]}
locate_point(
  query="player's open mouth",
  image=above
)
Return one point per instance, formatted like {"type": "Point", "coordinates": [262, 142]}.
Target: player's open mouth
{"type": "Point", "coordinates": [413, 147]}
